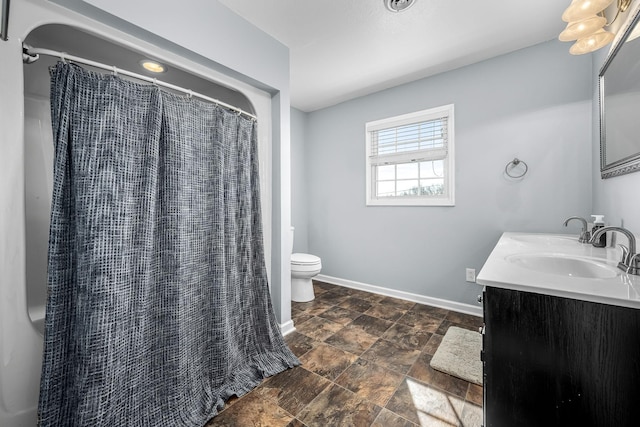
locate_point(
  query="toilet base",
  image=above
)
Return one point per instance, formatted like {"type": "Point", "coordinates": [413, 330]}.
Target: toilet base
{"type": "Point", "coordinates": [302, 289]}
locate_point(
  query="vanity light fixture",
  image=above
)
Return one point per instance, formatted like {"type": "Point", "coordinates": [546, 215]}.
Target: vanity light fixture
{"type": "Point", "coordinates": [398, 5]}
{"type": "Point", "coordinates": [586, 21]}
{"type": "Point", "coordinates": [153, 66]}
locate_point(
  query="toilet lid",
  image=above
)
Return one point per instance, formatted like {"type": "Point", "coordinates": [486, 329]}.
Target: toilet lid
{"type": "Point", "coordinates": [303, 259]}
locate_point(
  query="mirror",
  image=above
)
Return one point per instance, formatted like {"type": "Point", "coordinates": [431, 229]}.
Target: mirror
{"type": "Point", "coordinates": [619, 104]}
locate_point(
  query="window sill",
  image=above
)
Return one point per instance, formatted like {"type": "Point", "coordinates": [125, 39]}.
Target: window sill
{"type": "Point", "coordinates": [411, 202]}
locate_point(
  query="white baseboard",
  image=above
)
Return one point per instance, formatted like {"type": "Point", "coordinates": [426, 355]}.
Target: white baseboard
{"type": "Point", "coordinates": [421, 299]}
{"type": "Point", "coordinates": [287, 327]}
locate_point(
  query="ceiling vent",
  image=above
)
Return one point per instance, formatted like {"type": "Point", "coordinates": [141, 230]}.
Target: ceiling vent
{"type": "Point", "coordinates": [398, 5]}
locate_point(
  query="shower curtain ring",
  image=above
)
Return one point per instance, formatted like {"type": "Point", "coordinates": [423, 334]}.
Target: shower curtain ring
{"type": "Point", "coordinates": [190, 94]}
{"type": "Point", "coordinates": [63, 57]}
{"type": "Point", "coordinates": [115, 71]}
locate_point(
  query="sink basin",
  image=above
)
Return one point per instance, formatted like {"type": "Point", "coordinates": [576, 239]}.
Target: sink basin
{"type": "Point", "coordinates": [547, 240]}
{"type": "Point", "coordinates": [564, 266]}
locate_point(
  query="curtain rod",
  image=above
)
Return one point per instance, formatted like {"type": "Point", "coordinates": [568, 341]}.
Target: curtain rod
{"type": "Point", "coordinates": [34, 52]}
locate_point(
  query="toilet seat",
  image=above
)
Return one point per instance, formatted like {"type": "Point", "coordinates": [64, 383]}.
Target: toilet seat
{"type": "Point", "coordinates": [304, 259]}
{"type": "Point", "coordinates": [305, 263]}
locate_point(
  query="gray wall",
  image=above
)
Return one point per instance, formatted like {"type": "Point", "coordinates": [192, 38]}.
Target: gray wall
{"type": "Point", "coordinates": [534, 104]}
{"type": "Point", "coordinates": [299, 196]}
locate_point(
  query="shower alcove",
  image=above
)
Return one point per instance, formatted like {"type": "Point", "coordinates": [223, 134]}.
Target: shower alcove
{"type": "Point", "coordinates": [20, 374]}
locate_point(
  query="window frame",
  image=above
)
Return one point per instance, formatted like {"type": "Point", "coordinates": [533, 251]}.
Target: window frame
{"type": "Point", "coordinates": [449, 160]}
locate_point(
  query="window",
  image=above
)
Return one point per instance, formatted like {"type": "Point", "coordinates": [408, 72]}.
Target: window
{"type": "Point", "coordinates": [410, 159]}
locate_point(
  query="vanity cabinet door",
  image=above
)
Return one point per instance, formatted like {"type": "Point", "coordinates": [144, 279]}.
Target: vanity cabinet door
{"type": "Point", "coordinates": [552, 361]}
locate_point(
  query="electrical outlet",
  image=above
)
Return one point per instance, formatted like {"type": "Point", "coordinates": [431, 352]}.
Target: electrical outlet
{"type": "Point", "coordinates": [471, 275]}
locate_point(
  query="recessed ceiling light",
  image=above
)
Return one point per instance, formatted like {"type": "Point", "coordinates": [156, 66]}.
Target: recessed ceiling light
{"type": "Point", "coordinates": [153, 66]}
{"type": "Point", "coordinates": [398, 5]}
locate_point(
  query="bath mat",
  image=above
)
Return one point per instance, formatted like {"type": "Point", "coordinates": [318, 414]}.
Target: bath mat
{"type": "Point", "coordinates": [459, 355]}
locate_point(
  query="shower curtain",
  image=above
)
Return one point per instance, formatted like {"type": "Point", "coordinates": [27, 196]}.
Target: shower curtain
{"type": "Point", "coordinates": [158, 305]}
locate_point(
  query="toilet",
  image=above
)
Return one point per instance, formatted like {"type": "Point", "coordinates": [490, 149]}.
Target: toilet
{"type": "Point", "coordinates": [304, 267]}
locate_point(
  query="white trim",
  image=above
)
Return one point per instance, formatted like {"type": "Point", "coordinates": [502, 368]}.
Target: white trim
{"type": "Point", "coordinates": [411, 201]}
{"type": "Point", "coordinates": [421, 299]}
{"type": "Point", "coordinates": [406, 119]}
{"type": "Point", "coordinates": [287, 327]}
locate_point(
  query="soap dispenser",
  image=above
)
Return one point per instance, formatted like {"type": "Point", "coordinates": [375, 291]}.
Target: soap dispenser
{"type": "Point", "coordinates": [598, 222]}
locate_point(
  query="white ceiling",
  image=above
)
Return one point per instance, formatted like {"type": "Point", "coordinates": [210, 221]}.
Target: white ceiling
{"type": "Point", "coordinates": [342, 49]}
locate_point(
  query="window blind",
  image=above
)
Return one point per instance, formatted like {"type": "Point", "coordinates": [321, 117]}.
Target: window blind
{"type": "Point", "coordinates": [413, 142]}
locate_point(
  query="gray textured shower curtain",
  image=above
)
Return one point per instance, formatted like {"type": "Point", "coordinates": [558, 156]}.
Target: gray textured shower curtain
{"type": "Point", "coordinates": [158, 305]}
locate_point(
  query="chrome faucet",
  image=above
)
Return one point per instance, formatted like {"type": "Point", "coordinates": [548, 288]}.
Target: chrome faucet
{"type": "Point", "coordinates": [584, 234]}
{"type": "Point", "coordinates": [630, 261]}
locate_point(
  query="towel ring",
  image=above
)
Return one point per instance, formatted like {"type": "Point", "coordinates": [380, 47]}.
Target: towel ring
{"type": "Point", "coordinates": [513, 163]}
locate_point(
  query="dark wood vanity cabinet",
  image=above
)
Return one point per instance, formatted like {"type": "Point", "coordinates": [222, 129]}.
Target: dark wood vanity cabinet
{"type": "Point", "coordinates": [552, 361]}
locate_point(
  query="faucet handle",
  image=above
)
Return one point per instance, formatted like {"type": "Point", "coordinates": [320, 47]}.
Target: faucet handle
{"type": "Point", "coordinates": [585, 237]}
{"type": "Point", "coordinates": [623, 264]}
{"type": "Point", "coordinates": [633, 264]}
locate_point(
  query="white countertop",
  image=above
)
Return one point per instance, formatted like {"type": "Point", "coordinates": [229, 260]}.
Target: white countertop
{"type": "Point", "coordinates": [622, 290]}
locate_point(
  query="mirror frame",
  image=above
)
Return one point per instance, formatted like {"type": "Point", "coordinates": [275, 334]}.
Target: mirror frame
{"type": "Point", "coordinates": [630, 163]}
{"type": "Point", "coordinates": [4, 20]}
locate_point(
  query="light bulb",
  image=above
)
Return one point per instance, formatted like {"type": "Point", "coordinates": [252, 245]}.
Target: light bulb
{"type": "Point", "coordinates": [591, 43]}
{"type": "Point", "coordinates": [581, 29]}
{"type": "Point", "coordinates": [153, 66]}
{"type": "Point", "coordinates": [582, 9]}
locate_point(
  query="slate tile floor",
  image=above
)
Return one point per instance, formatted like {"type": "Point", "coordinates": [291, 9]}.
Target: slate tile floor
{"type": "Point", "coordinates": [365, 362]}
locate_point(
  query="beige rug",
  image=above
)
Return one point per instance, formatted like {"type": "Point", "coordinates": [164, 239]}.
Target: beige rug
{"type": "Point", "coordinates": [459, 355]}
